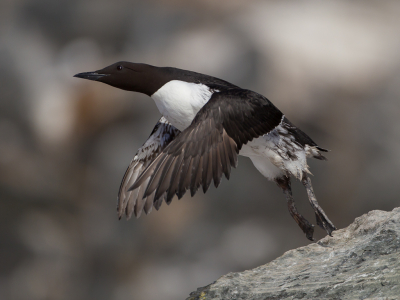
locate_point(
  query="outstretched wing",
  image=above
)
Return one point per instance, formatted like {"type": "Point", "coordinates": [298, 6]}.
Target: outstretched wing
{"type": "Point", "coordinates": [209, 147]}
{"type": "Point", "coordinates": [134, 201]}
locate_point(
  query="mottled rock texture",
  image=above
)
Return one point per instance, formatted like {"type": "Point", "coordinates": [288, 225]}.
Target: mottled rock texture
{"type": "Point", "coordinates": [361, 261]}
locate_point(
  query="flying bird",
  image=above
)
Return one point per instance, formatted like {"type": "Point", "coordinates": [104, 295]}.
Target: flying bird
{"type": "Point", "coordinates": [206, 123]}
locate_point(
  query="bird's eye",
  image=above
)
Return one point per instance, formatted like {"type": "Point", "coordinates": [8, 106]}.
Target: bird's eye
{"type": "Point", "coordinates": [119, 68]}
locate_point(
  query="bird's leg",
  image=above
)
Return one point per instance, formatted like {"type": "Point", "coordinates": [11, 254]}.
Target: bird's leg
{"type": "Point", "coordinates": [322, 219]}
{"type": "Point", "coordinates": [308, 229]}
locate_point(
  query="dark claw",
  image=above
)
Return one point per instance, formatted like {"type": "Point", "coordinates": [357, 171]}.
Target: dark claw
{"type": "Point", "coordinates": [307, 228]}
{"type": "Point", "coordinates": [309, 235]}
{"type": "Point", "coordinates": [325, 223]}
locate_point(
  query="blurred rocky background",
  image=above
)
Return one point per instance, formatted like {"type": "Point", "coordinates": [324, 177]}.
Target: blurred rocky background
{"type": "Point", "coordinates": [332, 67]}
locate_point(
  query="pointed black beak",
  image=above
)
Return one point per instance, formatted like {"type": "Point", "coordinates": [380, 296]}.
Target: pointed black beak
{"type": "Point", "coordinates": [90, 75]}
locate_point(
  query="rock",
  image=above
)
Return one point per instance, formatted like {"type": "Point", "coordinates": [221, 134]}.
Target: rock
{"type": "Point", "coordinates": [361, 261]}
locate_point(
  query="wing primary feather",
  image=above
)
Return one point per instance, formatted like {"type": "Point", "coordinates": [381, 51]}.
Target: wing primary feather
{"type": "Point", "coordinates": [217, 168]}
{"type": "Point", "coordinates": [181, 190]}
{"type": "Point", "coordinates": [158, 174]}
{"type": "Point", "coordinates": [123, 195]}
{"type": "Point", "coordinates": [148, 171]}
{"type": "Point", "coordinates": [222, 154]}
{"type": "Point", "coordinates": [175, 177]}
{"type": "Point", "coordinates": [165, 179]}
{"type": "Point", "coordinates": [131, 203]}
{"type": "Point", "coordinates": [158, 202]}
{"type": "Point", "coordinates": [140, 200]}
{"type": "Point", "coordinates": [184, 184]}
{"type": "Point", "coordinates": [204, 169]}
{"type": "Point", "coordinates": [225, 156]}
{"type": "Point", "coordinates": [193, 174]}
{"type": "Point", "coordinates": [149, 203]}
{"type": "Point", "coordinates": [231, 150]}
{"type": "Point", "coordinates": [196, 178]}
{"type": "Point", "coordinates": [207, 171]}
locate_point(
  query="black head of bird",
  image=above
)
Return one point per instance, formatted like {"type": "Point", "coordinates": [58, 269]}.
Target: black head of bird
{"type": "Point", "coordinates": [129, 76]}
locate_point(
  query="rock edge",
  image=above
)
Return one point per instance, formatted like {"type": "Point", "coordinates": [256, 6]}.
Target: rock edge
{"type": "Point", "coordinates": [361, 261]}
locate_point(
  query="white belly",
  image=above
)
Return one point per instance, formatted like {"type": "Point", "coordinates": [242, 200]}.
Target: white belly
{"type": "Point", "coordinates": [263, 157]}
{"type": "Point", "coordinates": [180, 101]}
{"type": "Point", "coordinates": [269, 155]}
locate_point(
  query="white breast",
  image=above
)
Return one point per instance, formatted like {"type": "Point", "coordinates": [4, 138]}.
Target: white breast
{"type": "Point", "coordinates": [180, 101]}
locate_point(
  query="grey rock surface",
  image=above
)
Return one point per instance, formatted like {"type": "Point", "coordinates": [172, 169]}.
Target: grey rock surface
{"type": "Point", "coordinates": [361, 261]}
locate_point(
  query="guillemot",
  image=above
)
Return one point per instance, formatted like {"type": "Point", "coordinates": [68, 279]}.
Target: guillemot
{"type": "Point", "coordinates": [206, 123]}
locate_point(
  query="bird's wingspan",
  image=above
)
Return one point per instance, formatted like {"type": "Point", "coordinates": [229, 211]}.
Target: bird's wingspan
{"type": "Point", "coordinates": [209, 147]}
{"type": "Point", "coordinates": [133, 201]}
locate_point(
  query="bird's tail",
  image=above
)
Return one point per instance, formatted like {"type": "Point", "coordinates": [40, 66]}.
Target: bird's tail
{"type": "Point", "coordinates": [315, 152]}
